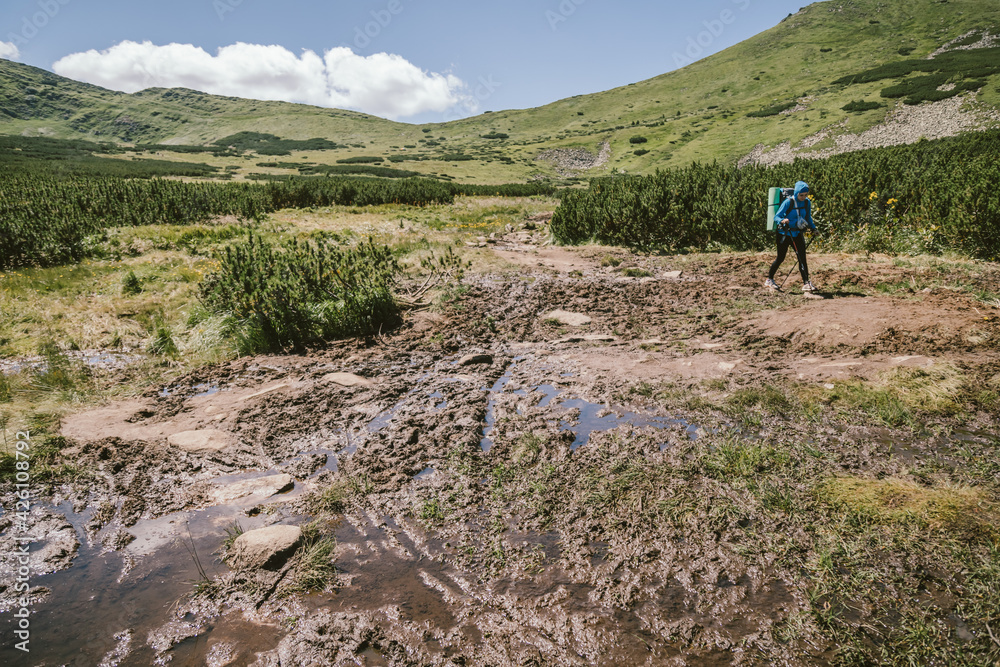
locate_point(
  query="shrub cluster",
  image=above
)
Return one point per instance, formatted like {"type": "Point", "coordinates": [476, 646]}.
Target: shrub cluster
{"type": "Point", "coordinates": [771, 111]}
{"type": "Point", "coordinates": [289, 295]}
{"type": "Point", "coordinates": [361, 159]}
{"type": "Point", "coordinates": [269, 144]}
{"type": "Point", "coordinates": [965, 68]}
{"type": "Point", "coordinates": [364, 169]}
{"type": "Point", "coordinates": [860, 105]}
{"type": "Point", "coordinates": [927, 197]}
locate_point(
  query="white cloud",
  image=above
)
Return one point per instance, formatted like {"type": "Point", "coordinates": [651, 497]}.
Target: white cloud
{"type": "Point", "coordinates": [381, 84]}
{"type": "Point", "coordinates": [9, 50]}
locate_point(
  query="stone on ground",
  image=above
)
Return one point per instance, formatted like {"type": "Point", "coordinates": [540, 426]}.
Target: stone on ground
{"type": "Point", "coordinates": [260, 487]}
{"type": "Point", "coordinates": [347, 380]}
{"type": "Point", "coordinates": [568, 318]}
{"type": "Point", "coordinates": [267, 548]}
{"type": "Point", "coordinates": [471, 359]}
{"type": "Point", "coordinates": [201, 441]}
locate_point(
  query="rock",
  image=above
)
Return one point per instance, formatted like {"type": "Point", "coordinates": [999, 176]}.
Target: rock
{"type": "Point", "coordinates": [567, 318]}
{"type": "Point", "coordinates": [588, 338]}
{"type": "Point", "coordinates": [905, 124]}
{"type": "Point", "coordinates": [260, 487]}
{"type": "Point", "coordinates": [673, 275]}
{"type": "Point", "coordinates": [347, 380]}
{"type": "Point", "coordinates": [267, 548]}
{"type": "Point", "coordinates": [201, 441]}
{"type": "Point", "coordinates": [470, 359]}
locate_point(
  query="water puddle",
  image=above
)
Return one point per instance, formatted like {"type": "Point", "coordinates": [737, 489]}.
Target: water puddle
{"type": "Point", "coordinates": [591, 417]}
{"type": "Point", "coordinates": [485, 443]}
{"type": "Point", "coordinates": [205, 390]}
{"type": "Point", "coordinates": [93, 605]}
{"type": "Point", "coordinates": [199, 390]}
{"type": "Point", "coordinates": [443, 404]}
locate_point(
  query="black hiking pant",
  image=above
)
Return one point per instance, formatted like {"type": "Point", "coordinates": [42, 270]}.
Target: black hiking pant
{"type": "Point", "coordinates": [797, 242]}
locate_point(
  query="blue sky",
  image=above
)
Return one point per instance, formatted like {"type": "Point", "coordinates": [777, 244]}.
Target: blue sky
{"type": "Point", "coordinates": [411, 60]}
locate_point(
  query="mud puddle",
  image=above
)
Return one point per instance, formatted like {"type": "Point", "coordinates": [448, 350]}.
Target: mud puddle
{"type": "Point", "coordinates": [577, 415]}
{"type": "Point", "coordinates": [514, 507]}
{"type": "Point", "coordinates": [108, 603]}
{"type": "Point", "coordinates": [115, 607]}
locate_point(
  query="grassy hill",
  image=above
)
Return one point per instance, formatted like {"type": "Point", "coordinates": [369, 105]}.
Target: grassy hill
{"type": "Point", "coordinates": [699, 112]}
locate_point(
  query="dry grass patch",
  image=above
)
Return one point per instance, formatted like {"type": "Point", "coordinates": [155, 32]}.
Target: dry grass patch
{"type": "Point", "coordinates": [960, 510]}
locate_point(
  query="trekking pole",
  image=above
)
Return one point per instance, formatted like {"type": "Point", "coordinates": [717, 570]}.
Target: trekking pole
{"type": "Point", "coordinates": [808, 243]}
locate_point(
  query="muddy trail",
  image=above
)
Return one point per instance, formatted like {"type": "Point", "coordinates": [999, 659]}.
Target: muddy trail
{"type": "Point", "coordinates": [572, 465]}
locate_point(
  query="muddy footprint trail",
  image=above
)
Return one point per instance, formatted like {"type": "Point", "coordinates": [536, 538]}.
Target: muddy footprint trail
{"type": "Point", "coordinates": [547, 471]}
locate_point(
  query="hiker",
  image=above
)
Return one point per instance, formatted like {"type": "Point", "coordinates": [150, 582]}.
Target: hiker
{"type": "Point", "coordinates": [794, 216]}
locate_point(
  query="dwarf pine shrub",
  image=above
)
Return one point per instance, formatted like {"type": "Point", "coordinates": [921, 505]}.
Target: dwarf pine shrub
{"type": "Point", "coordinates": [860, 105]}
{"type": "Point", "coordinates": [926, 197]}
{"type": "Point", "coordinates": [288, 295]}
{"type": "Point", "coordinates": [771, 111]}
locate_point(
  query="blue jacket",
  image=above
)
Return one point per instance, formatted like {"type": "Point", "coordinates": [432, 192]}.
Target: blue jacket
{"type": "Point", "coordinates": [794, 210]}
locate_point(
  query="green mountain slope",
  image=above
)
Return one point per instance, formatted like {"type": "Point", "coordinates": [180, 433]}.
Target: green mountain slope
{"type": "Point", "coordinates": [699, 112]}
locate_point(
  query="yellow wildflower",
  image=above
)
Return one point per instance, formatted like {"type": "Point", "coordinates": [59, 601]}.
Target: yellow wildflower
{"type": "Point", "coordinates": [872, 196]}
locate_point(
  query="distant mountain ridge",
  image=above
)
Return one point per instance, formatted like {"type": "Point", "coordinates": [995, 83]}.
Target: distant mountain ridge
{"type": "Point", "coordinates": [787, 84]}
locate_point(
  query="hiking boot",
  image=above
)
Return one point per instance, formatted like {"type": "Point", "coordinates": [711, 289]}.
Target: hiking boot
{"type": "Point", "coordinates": [807, 286]}
{"type": "Point", "coordinates": [770, 284]}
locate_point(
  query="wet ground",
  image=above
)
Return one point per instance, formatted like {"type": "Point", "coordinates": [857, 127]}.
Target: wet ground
{"type": "Point", "coordinates": [505, 488]}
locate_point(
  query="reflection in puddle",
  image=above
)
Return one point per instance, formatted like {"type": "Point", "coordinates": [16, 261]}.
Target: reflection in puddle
{"type": "Point", "coordinates": [204, 389]}
{"type": "Point", "coordinates": [596, 418]}
{"type": "Point", "coordinates": [549, 392]}
{"type": "Point", "coordinates": [92, 601]}
{"type": "Point", "coordinates": [485, 442]}
{"type": "Point", "coordinates": [107, 603]}
{"type": "Point", "coordinates": [443, 404]}
{"type": "Point", "coordinates": [592, 417]}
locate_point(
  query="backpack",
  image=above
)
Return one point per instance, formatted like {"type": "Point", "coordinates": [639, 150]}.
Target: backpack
{"type": "Point", "coordinates": [775, 198]}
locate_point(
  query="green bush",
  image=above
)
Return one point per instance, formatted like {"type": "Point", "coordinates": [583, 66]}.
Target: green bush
{"type": "Point", "coordinates": [131, 285]}
{"type": "Point", "coordinates": [637, 139]}
{"type": "Point", "coordinates": [640, 152]}
{"type": "Point", "coordinates": [495, 135]}
{"type": "Point", "coordinates": [860, 105]}
{"type": "Point", "coordinates": [928, 197]}
{"type": "Point", "coordinates": [363, 169]}
{"type": "Point", "coordinates": [956, 65]}
{"type": "Point", "coordinates": [771, 111]}
{"type": "Point", "coordinates": [269, 144]}
{"type": "Point", "coordinates": [56, 201]}
{"type": "Point", "coordinates": [289, 295]}
{"type": "Point", "coordinates": [361, 159]}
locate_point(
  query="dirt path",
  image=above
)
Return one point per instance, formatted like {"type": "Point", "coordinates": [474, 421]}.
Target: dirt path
{"type": "Point", "coordinates": [500, 483]}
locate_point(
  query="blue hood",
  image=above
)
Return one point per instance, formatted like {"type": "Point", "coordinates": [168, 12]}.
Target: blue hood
{"type": "Point", "coordinates": [801, 187]}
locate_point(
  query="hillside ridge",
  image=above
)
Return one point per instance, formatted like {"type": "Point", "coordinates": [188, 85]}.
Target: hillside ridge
{"type": "Point", "coordinates": [785, 92]}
